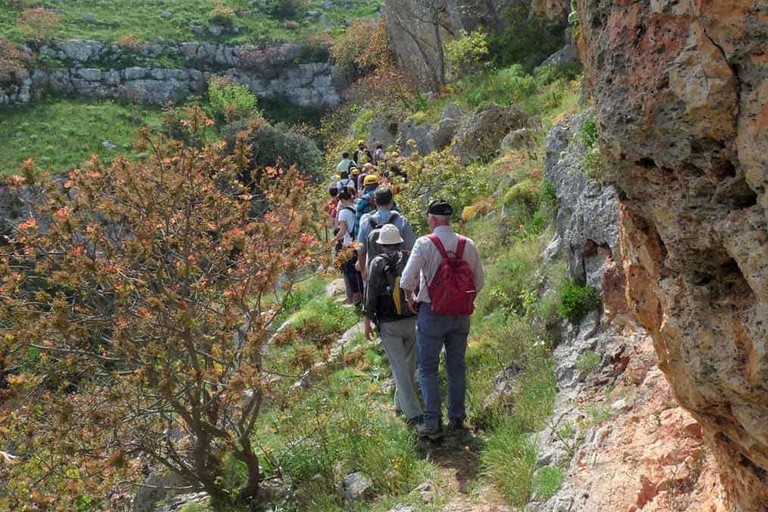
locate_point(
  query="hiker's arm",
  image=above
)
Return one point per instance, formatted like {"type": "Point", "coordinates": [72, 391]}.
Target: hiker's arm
{"type": "Point", "coordinates": [409, 279]}
{"type": "Point", "coordinates": [370, 300]}
{"type": "Point", "coordinates": [342, 224]}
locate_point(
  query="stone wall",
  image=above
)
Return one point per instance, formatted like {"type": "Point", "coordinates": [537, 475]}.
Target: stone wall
{"type": "Point", "coordinates": [138, 74]}
{"type": "Point", "coordinates": [680, 92]}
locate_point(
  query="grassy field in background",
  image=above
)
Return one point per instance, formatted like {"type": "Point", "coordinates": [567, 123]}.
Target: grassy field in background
{"type": "Point", "coordinates": [157, 20]}
{"type": "Point", "coordinates": [61, 134]}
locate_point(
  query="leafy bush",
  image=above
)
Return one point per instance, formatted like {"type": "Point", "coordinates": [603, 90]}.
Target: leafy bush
{"type": "Point", "coordinates": [285, 9]}
{"type": "Point", "coordinates": [181, 349]}
{"type": "Point", "coordinates": [576, 301]}
{"type": "Point", "coordinates": [277, 144]}
{"type": "Point", "coordinates": [466, 54]}
{"type": "Point", "coordinates": [230, 102]}
{"type": "Point", "coordinates": [221, 14]}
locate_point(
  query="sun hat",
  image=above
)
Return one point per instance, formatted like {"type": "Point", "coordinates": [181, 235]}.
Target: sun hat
{"type": "Point", "coordinates": [389, 235]}
{"type": "Point", "coordinates": [439, 207]}
{"type": "Point", "coordinates": [360, 142]}
{"type": "Point", "coordinates": [355, 171]}
{"type": "Point", "coordinates": [371, 179]}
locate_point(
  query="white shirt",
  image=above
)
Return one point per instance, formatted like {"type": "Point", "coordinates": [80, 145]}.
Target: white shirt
{"type": "Point", "coordinates": [348, 216]}
{"type": "Point", "coordinates": [425, 259]}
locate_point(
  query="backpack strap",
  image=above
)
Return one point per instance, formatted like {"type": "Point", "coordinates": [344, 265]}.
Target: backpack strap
{"type": "Point", "coordinates": [462, 241]}
{"type": "Point", "coordinates": [460, 246]}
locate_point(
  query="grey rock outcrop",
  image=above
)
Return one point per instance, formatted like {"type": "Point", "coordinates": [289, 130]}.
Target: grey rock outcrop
{"type": "Point", "coordinates": [415, 137]}
{"type": "Point", "coordinates": [357, 487]}
{"type": "Point", "coordinates": [480, 135]}
{"type": "Point", "coordinates": [449, 123]}
{"type": "Point", "coordinates": [98, 70]}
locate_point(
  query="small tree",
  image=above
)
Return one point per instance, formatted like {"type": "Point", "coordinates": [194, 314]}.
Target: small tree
{"type": "Point", "coordinates": [230, 101]}
{"type": "Point", "coordinates": [466, 54]}
{"type": "Point", "coordinates": [136, 302]}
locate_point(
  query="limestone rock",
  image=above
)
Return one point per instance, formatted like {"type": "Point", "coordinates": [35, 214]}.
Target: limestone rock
{"type": "Point", "coordinates": [358, 487]}
{"type": "Point", "coordinates": [480, 134]}
{"type": "Point", "coordinates": [415, 137]}
{"type": "Point", "coordinates": [449, 123]}
{"type": "Point", "coordinates": [680, 94]}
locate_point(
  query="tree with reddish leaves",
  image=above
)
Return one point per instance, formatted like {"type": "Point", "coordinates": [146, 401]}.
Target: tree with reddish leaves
{"type": "Point", "coordinates": [136, 300]}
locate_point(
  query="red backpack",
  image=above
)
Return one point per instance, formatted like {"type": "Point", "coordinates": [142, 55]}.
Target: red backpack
{"type": "Point", "coordinates": [453, 289]}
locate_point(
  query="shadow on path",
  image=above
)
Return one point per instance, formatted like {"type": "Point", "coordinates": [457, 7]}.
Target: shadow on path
{"type": "Point", "coordinates": [458, 452]}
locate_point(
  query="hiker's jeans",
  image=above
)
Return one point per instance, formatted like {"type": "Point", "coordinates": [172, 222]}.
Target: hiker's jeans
{"type": "Point", "coordinates": [399, 340]}
{"type": "Point", "coordinates": [434, 331]}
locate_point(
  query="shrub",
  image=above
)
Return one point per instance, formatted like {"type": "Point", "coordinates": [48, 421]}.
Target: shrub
{"type": "Point", "coordinates": [221, 14]}
{"type": "Point", "coordinates": [39, 23]}
{"type": "Point", "coordinates": [128, 42]}
{"type": "Point", "coordinates": [277, 144]}
{"type": "Point", "coordinates": [181, 351]}
{"type": "Point", "coordinates": [14, 61]}
{"type": "Point", "coordinates": [230, 101]}
{"type": "Point", "coordinates": [285, 9]}
{"type": "Point", "coordinates": [467, 54]}
{"type": "Point", "coordinates": [588, 362]}
{"type": "Point", "coordinates": [576, 301]}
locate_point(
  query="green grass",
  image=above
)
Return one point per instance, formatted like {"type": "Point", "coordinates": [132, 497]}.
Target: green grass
{"type": "Point", "coordinates": [339, 427]}
{"type": "Point", "coordinates": [59, 135]}
{"type": "Point", "coordinates": [547, 481]}
{"type": "Point", "coordinates": [509, 458]}
{"type": "Point", "coordinates": [143, 19]}
{"type": "Point", "coordinates": [588, 362]}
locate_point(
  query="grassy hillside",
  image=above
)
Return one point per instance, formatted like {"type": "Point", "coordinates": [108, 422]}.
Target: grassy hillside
{"type": "Point", "coordinates": [243, 21]}
{"type": "Point", "coordinates": [61, 134]}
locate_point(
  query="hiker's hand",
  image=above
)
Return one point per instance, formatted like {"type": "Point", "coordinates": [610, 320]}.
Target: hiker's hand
{"type": "Point", "coordinates": [367, 329]}
{"type": "Point", "coordinates": [412, 304]}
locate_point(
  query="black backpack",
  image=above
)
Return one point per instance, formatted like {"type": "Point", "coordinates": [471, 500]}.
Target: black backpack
{"type": "Point", "coordinates": [392, 302]}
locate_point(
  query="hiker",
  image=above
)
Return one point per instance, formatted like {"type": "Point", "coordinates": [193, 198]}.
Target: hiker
{"type": "Point", "coordinates": [443, 294]}
{"type": "Point", "coordinates": [384, 214]}
{"type": "Point", "coordinates": [365, 204]}
{"type": "Point", "coordinates": [345, 220]}
{"type": "Point", "coordinates": [346, 163]}
{"type": "Point", "coordinates": [355, 177]}
{"type": "Point", "coordinates": [362, 154]}
{"type": "Point", "coordinates": [367, 170]}
{"type": "Point", "coordinates": [345, 181]}
{"type": "Point", "coordinates": [330, 206]}
{"type": "Point", "coordinates": [387, 308]}
{"type": "Point", "coordinates": [379, 156]}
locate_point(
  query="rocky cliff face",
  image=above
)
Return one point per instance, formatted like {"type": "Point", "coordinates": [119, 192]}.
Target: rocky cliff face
{"type": "Point", "coordinates": [98, 70]}
{"type": "Point", "coordinates": [680, 93]}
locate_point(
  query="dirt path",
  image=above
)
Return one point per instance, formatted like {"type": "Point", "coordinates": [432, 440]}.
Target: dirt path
{"type": "Point", "coordinates": [456, 458]}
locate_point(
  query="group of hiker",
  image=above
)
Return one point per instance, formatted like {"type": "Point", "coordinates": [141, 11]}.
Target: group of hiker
{"type": "Point", "coordinates": [418, 292]}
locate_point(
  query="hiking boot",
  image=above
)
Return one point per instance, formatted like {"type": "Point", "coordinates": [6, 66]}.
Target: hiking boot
{"type": "Point", "coordinates": [456, 424]}
{"type": "Point", "coordinates": [431, 433]}
{"type": "Point", "coordinates": [415, 421]}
